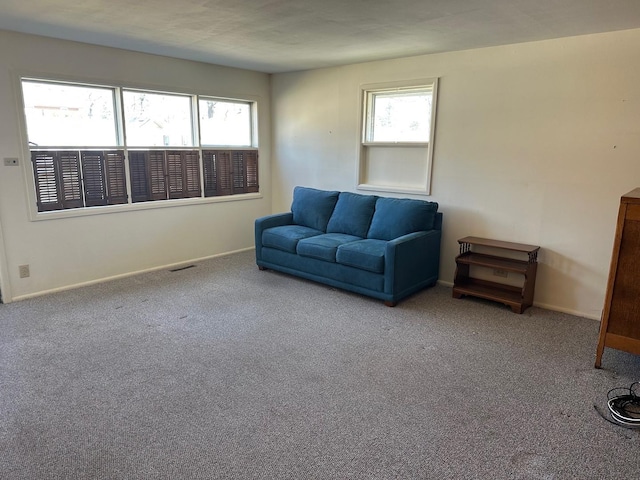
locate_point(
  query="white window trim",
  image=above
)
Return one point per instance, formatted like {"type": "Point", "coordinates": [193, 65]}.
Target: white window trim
{"type": "Point", "coordinates": [364, 142]}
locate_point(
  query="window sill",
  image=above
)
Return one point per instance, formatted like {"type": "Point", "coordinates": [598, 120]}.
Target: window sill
{"type": "Point", "coordinates": [396, 144]}
{"type": "Point", "coordinates": [132, 207]}
{"type": "Point", "coordinates": [393, 189]}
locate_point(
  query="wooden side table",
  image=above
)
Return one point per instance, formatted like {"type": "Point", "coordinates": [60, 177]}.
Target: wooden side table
{"type": "Point", "coordinates": [518, 298]}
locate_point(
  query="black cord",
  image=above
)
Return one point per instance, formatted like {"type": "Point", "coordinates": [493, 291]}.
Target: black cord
{"type": "Point", "coordinates": [624, 408]}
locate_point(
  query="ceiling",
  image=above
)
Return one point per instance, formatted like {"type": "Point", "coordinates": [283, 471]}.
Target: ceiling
{"type": "Point", "coordinates": [285, 35]}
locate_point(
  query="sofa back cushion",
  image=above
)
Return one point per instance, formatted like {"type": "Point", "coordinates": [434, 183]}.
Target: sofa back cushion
{"type": "Point", "coordinates": [352, 214]}
{"type": "Point", "coordinates": [395, 217]}
{"type": "Point", "coordinates": [312, 208]}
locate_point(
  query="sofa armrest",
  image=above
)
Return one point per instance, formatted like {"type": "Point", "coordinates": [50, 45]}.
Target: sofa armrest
{"type": "Point", "coordinates": [412, 260]}
{"type": "Point", "coordinates": [262, 223]}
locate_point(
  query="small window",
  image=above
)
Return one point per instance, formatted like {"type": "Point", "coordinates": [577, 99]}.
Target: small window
{"type": "Point", "coordinates": [398, 127]}
{"type": "Point", "coordinates": [225, 123]}
{"type": "Point", "coordinates": [399, 116]}
{"type": "Point", "coordinates": [157, 119]}
{"type": "Point", "coordinates": [59, 114]}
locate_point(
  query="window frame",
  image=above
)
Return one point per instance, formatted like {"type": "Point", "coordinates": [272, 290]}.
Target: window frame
{"type": "Point", "coordinates": [366, 146]}
{"type": "Point", "coordinates": [252, 123]}
{"type": "Point", "coordinates": [118, 87]}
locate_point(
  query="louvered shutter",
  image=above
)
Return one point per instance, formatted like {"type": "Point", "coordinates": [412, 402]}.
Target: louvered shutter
{"type": "Point", "coordinates": [47, 191]}
{"type": "Point", "coordinates": [192, 173]}
{"type": "Point", "coordinates": [224, 172]}
{"type": "Point", "coordinates": [210, 173]}
{"type": "Point", "coordinates": [139, 176]}
{"type": "Point", "coordinates": [157, 175]}
{"type": "Point", "coordinates": [69, 179]}
{"type": "Point", "coordinates": [115, 174]}
{"type": "Point", "coordinates": [175, 174]}
{"type": "Point", "coordinates": [228, 172]}
{"type": "Point", "coordinates": [95, 188]}
{"type": "Point", "coordinates": [238, 171]}
{"type": "Point", "coordinates": [251, 171]}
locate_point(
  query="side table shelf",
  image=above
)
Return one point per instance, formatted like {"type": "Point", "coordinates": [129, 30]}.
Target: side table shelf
{"type": "Point", "coordinates": [518, 298]}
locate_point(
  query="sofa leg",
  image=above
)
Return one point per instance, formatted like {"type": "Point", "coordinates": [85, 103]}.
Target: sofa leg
{"type": "Point", "coordinates": [260, 267]}
{"type": "Point", "coordinates": [390, 304]}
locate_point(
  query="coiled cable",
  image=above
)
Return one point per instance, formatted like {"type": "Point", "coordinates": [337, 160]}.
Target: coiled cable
{"type": "Point", "coordinates": [624, 406]}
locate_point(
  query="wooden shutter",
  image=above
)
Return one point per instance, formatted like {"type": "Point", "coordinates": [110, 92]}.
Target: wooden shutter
{"type": "Point", "coordinates": [148, 175]}
{"type": "Point", "coordinates": [224, 173]}
{"type": "Point", "coordinates": [217, 173]}
{"type": "Point", "coordinates": [139, 176]}
{"type": "Point", "coordinates": [251, 171]}
{"type": "Point", "coordinates": [245, 171]}
{"type": "Point", "coordinates": [115, 173]}
{"type": "Point", "coordinates": [228, 172]}
{"type": "Point", "coordinates": [157, 175]}
{"type": "Point", "coordinates": [192, 173]}
{"type": "Point", "coordinates": [47, 189]}
{"type": "Point", "coordinates": [210, 173]}
{"type": "Point", "coordinates": [69, 179]}
{"type": "Point", "coordinates": [238, 171]}
{"type": "Point", "coordinates": [183, 173]}
{"type": "Point", "coordinates": [175, 174]}
{"type": "Point", "coordinates": [95, 188]}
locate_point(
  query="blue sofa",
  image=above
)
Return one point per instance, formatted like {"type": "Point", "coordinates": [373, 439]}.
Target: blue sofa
{"type": "Point", "coordinates": [386, 248]}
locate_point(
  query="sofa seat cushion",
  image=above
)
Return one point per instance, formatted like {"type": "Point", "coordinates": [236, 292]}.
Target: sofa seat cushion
{"type": "Point", "coordinates": [324, 247]}
{"type": "Point", "coordinates": [313, 208]}
{"type": "Point", "coordinates": [365, 254]}
{"type": "Point", "coordinates": [395, 217]}
{"type": "Point", "coordinates": [352, 214]}
{"type": "Point", "coordinates": [286, 237]}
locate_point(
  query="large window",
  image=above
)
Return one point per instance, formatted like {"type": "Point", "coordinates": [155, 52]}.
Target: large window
{"type": "Point", "coordinates": [398, 127]}
{"type": "Point", "coordinates": [157, 119]}
{"type": "Point", "coordinates": [69, 115]}
{"type": "Point", "coordinates": [105, 145]}
{"type": "Point", "coordinates": [224, 122]}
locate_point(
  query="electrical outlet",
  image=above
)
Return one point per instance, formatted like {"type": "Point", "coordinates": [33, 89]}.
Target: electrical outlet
{"type": "Point", "coordinates": [500, 273]}
{"type": "Point", "coordinates": [24, 271]}
{"type": "Point", "coordinates": [10, 162]}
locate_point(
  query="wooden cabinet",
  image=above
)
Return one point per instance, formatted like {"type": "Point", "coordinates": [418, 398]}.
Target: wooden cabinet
{"type": "Point", "coordinates": [517, 297]}
{"type": "Point", "coordinates": [620, 325]}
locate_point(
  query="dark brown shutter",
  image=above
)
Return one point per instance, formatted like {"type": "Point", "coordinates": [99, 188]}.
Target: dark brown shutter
{"type": "Point", "coordinates": [47, 191]}
{"type": "Point", "coordinates": [245, 171]}
{"type": "Point", "coordinates": [192, 173]}
{"type": "Point", "coordinates": [157, 175]}
{"type": "Point", "coordinates": [224, 173]}
{"type": "Point", "coordinates": [228, 172]}
{"type": "Point", "coordinates": [95, 188]}
{"type": "Point", "coordinates": [69, 179]}
{"type": "Point", "coordinates": [175, 174]}
{"type": "Point", "coordinates": [251, 169]}
{"type": "Point", "coordinates": [210, 173]}
{"type": "Point", "coordinates": [238, 171]}
{"type": "Point", "coordinates": [115, 173]}
{"type": "Point", "coordinates": [183, 173]}
{"type": "Point", "coordinates": [139, 176]}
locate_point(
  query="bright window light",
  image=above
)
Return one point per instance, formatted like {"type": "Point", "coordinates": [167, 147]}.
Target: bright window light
{"type": "Point", "coordinates": [157, 119]}
{"type": "Point", "coordinates": [401, 116]}
{"type": "Point", "coordinates": [225, 123]}
{"type": "Point", "coordinates": [58, 114]}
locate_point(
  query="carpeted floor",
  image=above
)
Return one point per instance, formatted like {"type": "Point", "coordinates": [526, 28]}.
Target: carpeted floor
{"type": "Point", "coordinates": [224, 371]}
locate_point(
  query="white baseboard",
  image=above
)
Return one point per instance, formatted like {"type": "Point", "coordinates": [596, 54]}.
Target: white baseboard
{"type": "Point", "coordinates": [123, 275]}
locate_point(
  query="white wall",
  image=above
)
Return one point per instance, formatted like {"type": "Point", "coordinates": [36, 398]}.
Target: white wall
{"type": "Point", "coordinates": [535, 143]}
{"type": "Point", "coordinates": [95, 247]}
